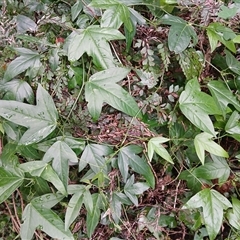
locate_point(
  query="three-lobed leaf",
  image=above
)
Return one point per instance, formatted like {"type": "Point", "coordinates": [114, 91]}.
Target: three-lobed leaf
{"type": "Point", "coordinates": [45, 171]}
{"type": "Point", "coordinates": [116, 13]}
{"type": "Point", "coordinates": [155, 145]}
{"type": "Point", "coordinates": [218, 168]}
{"type": "Point", "coordinates": [94, 155]}
{"type": "Point", "coordinates": [93, 41]}
{"type": "Point", "coordinates": [196, 106]}
{"type": "Point", "coordinates": [61, 156]}
{"type": "Point", "coordinates": [128, 157]}
{"type": "Point", "coordinates": [10, 180]}
{"type": "Point", "coordinates": [233, 215]}
{"type": "Point", "coordinates": [18, 90]}
{"type": "Point", "coordinates": [232, 63]}
{"type": "Point", "coordinates": [213, 204]}
{"type": "Point", "coordinates": [132, 189]}
{"type": "Point", "coordinates": [216, 32]}
{"type": "Point", "coordinates": [102, 87]}
{"type": "Point", "coordinates": [223, 96]}
{"type": "Point", "coordinates": [203, 142]}
{"type": "Point", "coordinates": [40, 120]}
{"type": "Point", "coordinates": [36, 215]}
{"type": "Point", "coordinates": [27, 59]}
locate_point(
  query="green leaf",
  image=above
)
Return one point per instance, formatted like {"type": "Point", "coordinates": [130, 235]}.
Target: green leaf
{"type": "Point", "coordinates": [180, 33]}
{"type": "Point", "coordinates": [45, 171]}
{"type": "Point", "coordinates": [233, 215]}
{"type": "Point", "coordinates": [76, 9]}
{"type": "Point", "coordinates": [132, 189]}
{"type": "Point", "coordinates": [94, 216]}
{"type": "Point", "coordinates": [94, 155]}
{"type": "Point", "coordinates": [218, 168]}
{"type": "Point", "coordinates": [227, 12]}
{"type": "Point", "coordinates": [93, 41]}
{"type": "Point", "coordinates": [116, 208]}
{"type": "Point", "coordinates": [48, 200]}
{"type": "Point", "coordinates": [61, 156]}
{"type": "Point", "coordinates": [223, 96]}
{"type": "Point", "coordinates": [193, 182]}
{"type": "Point", "coordinates": [128, 156]}
{"type": "Point", "coordinates": [88, 201]}
{"type": "Point", "coordinates": [40, 120]}
{"type": "Point", "coordinates": [116, 13]}
{"type": "Point", "coordinates": [8, 156]}
{"type": "Point", "coordinates": [233, 126]}
{"type": "Point", "coordinates": [102, 87]}
{"type": "Point", "coordinates": [74, 206]}
{"type": "Point", "coordinates": [213, 204]}
{"type": "Point", "coordinates": [203, 142]}
{"type": "Point", "coordinates": [155, 145]}
{"type": "Point", "coordinates": [36, 216]}
{"type": "Point", "coordinates": [28, 59]}
{"type": "Point", "coordinates": [196, 106]}
{"type": "Point", "coordinates": [10, 180]}
{"type": "Point", "coordinates": [216, 32]}
{"type": "Point", "coordinates": [18, 90]}
{"type": "Point", "coordinates": [25, 24]}
{"type": "Point", "coordinates": [232, 62]}
{"type": "Point", "coordinates": [54, 59]}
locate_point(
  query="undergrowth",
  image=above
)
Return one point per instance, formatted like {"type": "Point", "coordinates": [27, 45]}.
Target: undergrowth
{"type": "Point", "coordinates": [119, 119]}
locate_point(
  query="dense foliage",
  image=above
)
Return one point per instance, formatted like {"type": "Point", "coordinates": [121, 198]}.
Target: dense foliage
{"type": "Point", "coordinates": [119, 119]}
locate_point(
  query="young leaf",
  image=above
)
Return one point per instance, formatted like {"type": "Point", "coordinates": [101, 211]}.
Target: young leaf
{"type": "Point", "coordinates": [76, 9]}
{"type": "Point", "coordinates": [233, 215]}
{"type": "Point", "coordinates": [223, 96]}
{"type": "Point", "coordinates": [213, 204]}
{"type": "Point", "coordinates": [196, 106]}
{"type": "Point", "coordinates": [203, 142]}
{"type": "Point", "coordinates": [35, 216]}
{"type": "Point", "coordinates": [232, 62]}
{"type": "Point", "coordinates": [128, 156]}
{"type": "Point", "coordinates": [40, 120]}
{"type": "Point", "coordinates": [116, 13]}
{"type": "Point", "coordinates": [25, 24]}
{"type": "Point", "coordinates": [227, 12]}
{"type": "Point", "coordinates": [218, 168]}
{"type": "Point", "coordinates": [94, 155]}
{"type": "Point", "coordinates": [10, 180]}
{"type": "Point", "coordinates": [18, 90]}
{"type": "Point", "coordinates": [61, 155]}
{"type": "Point", "coordinates": [102, 87]}
{"type": "Point", "coordinates": [27, 59]}
{"type": "Point", "coordinates": [216, 32]}
{"type": "Point", "coordinates": [154, 145]}
{"type": "Point", "coordinates": [45, 171]}
{"type": "Point", "coordinates": [233, 126]}
{"type": "Point", "coordinates": [93, 41]}
{"type": "Point", "coordinates": [132, 189]}
{"type": "Point", "coordinates": [180, 33]}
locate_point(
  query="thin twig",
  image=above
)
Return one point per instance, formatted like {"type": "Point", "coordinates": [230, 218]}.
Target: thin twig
{"type": "Point", "coordinates": [16, 227]}
{"type": "Point", "coordinates": [15, 210]}
{"type": "Point", "coordinates": [176, 195]}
